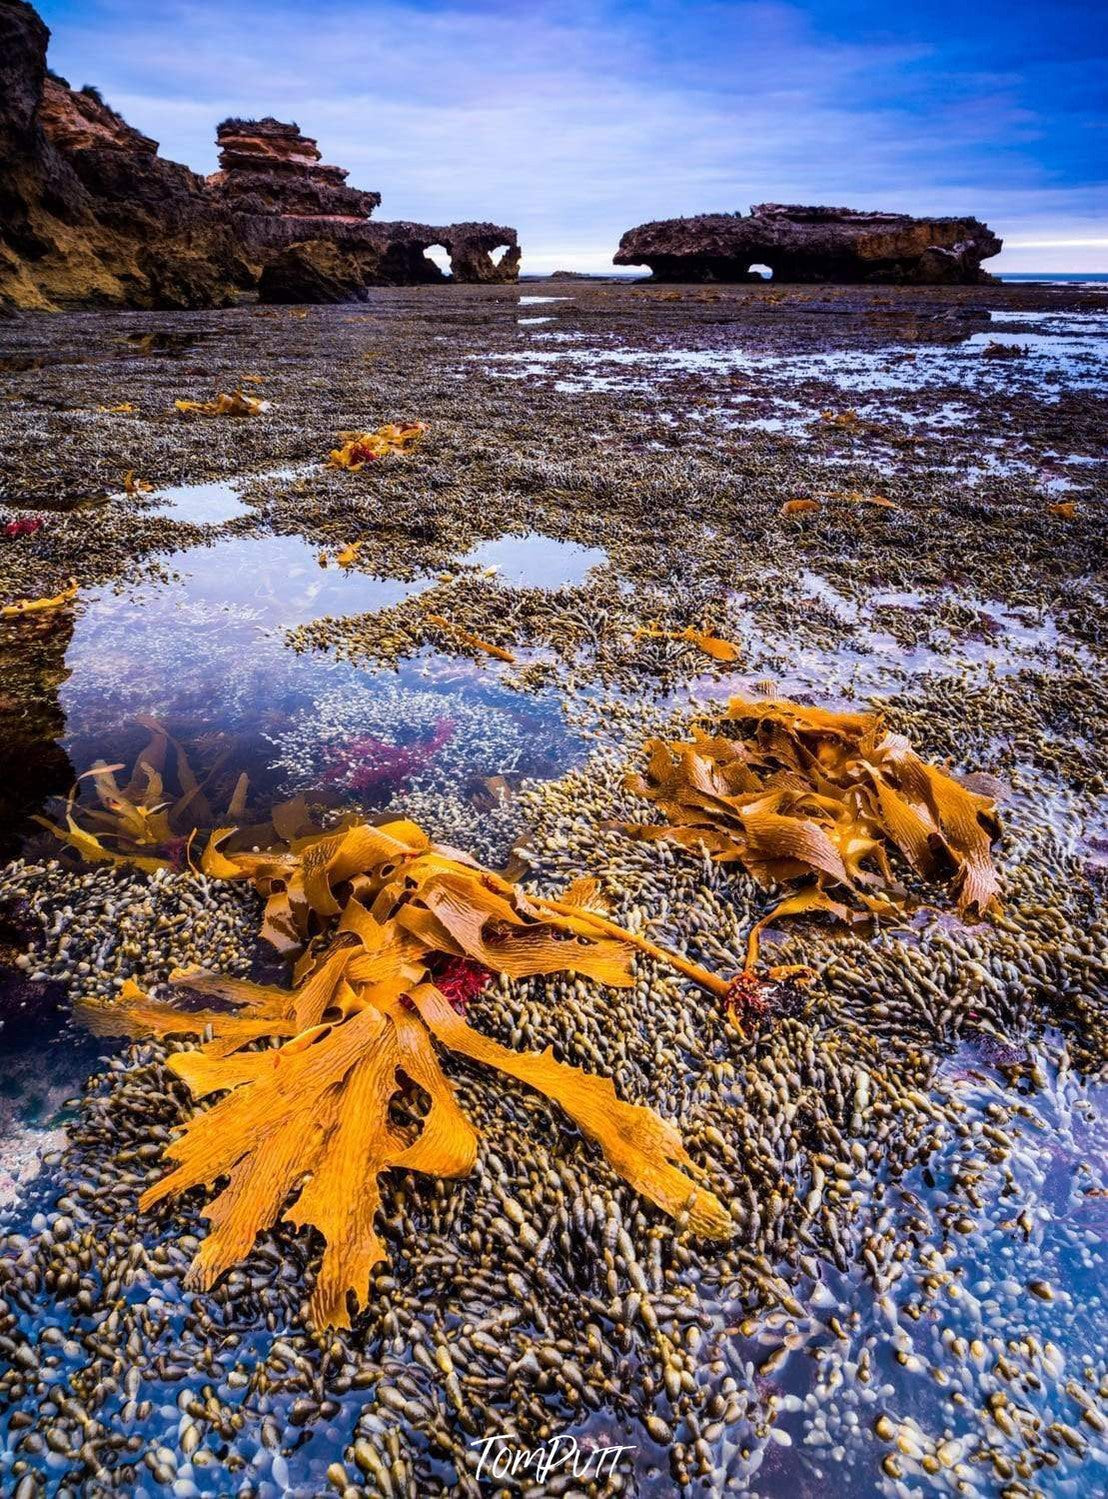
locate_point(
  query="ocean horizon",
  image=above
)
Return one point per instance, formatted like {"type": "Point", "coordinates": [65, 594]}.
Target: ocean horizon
{"type": "Point", "coordinates": [1061, 278]}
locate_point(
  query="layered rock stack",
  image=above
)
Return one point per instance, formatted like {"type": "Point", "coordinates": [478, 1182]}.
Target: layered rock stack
{"type": "Point", "coordinates": [91, 215]}
{"type": "Point", "coordinates": [841, 245]}
{"type": "Point", "coordinates": [266, 166]}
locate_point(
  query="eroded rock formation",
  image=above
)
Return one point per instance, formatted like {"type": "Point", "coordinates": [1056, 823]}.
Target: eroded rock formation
{"type": "Point", "coordinates": [312, 270]}
{"type": "Point", "coordinates": [288, 206]}
{"type": "Point", "coordinates": [812, 244]}
{"type": "Point", "coordinates": [92, 215]}
{"type": "Point", "coordinates": [266, 167]}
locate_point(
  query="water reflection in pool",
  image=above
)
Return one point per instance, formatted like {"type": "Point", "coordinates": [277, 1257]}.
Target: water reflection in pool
{"type": "Point", "coordinates": [537, 561]}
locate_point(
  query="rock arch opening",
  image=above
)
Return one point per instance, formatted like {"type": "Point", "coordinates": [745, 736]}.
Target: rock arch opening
{"type": "Point", "coordinates": [765, 271]}
{"type": "Point", "coordinates": [439, 256]}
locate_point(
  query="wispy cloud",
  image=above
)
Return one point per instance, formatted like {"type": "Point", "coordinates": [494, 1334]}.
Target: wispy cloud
{"type": "Point", "coordinates": [574, 121]}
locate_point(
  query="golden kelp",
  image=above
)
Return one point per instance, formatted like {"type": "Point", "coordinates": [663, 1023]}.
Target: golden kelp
{"type": "Point", "coordinates": [131, 485]}
{"type": "Point", "coordinates": [150, 820]}
{"type": "Point", "coordinates": [40, 606]}
{"type": "Point", "coordinates": [468, 639]}
{"type": "Point", "coordinates": [238, 403]}
{"type": "Point", "coordinates": [712, 645]}
{"type": "Point", "coordinates": [360, 448]}
{"type": "Point", "coordinates": [848, 420]}
{"type": "Point", "coordinates": [378, 912]}
{"type": "Point", "coordinates": [809, 797]}
{"type": "Point", "coordinates": [799, 507]}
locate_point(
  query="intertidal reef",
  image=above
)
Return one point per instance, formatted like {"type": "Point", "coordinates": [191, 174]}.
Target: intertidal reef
{"type": "Point", "coordinates": [552, 939]}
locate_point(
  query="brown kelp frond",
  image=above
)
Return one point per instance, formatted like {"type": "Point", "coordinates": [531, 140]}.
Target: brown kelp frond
{"type": "Point", "coordinates": [359, 448]}
{"type": "Point", "coordinates": [237, 403]}
{"type": "Point", "coordinates": [150, 821]}
{"type": "Point", "coordinates": [712, 645]}
{"type": "Point", "coordinates": [303, 1127]}
{"type": "Point", "coordinates": [805, 796]}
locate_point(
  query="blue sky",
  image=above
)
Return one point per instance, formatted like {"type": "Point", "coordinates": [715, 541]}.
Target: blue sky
{"type": "Point", "coordinates": [574, 121]}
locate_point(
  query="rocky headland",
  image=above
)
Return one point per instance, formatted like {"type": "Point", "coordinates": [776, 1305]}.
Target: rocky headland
{"type": "Point", "coordinates": [92, 216]}
{"type": "Point", "coordinates": [840, 245]}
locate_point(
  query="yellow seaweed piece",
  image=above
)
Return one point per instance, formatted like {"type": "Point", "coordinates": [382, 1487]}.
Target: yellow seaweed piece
{"type": "Point", "coordinates": [40, 606]}
{"type": "Point", "coordinates": [359, 448]}
{"type": "Point", "coordinates": [237, 403]}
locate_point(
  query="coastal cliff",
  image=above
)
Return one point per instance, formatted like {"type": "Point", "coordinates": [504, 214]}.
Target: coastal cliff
{"type": "Point", "coordinates": [91, 215]}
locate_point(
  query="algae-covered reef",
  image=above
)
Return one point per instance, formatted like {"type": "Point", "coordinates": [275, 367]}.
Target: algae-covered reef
{"type": "Point", "coordinates": [640, 743]}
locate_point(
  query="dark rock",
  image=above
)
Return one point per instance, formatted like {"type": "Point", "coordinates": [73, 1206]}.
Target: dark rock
{"type": "Point", "coordinates": [91, 215]}
{"type": "Point", "coordinates": [470, 247]}
{"type": "Point", "coordinates": [314, 270]}
{"type": "Point", "coordinates": [841, 245]}
{"type": "Point", "coordinates": [267, 166]}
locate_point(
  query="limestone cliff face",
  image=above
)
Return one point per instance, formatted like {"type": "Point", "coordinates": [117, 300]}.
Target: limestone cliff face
{"type": "Point", "coordinates": [812, 244]}
{"type": "Point", "coordinates": [91, 215]}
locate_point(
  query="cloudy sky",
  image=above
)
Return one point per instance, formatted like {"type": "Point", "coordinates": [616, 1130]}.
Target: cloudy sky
{"type": "Point", "coordinates": [575, 120]}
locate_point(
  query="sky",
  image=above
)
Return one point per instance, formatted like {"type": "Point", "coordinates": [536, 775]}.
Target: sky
{"type": "Point", "coordinates": [575, 120]}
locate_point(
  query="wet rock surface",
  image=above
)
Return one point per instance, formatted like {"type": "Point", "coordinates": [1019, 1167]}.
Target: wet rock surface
{"type": "Point", "coordinates": [812, 244]}
{"type": "Point", "coordinates": [912, 1153]}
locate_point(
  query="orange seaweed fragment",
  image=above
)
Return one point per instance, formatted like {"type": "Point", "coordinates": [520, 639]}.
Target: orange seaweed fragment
{"type": "Point", "coordinates": [467, 638]}
{"type": "Point", "coordinates": [238, 403]}
{"type": "Point", "coordinates": [712, 645]}
{"type": "Point", "coordinates": [1063, 509]}
{"type": "Point", "coordinates": [359, 448]}
{"type": "Point", "coordinates": [798, 507]}
{"type": "Point", "coordinates": [849, 420]}
{"type": "Point", "coordinates": [858, 497]}
{"type": "Point", "coordinates": [816, 799]}
{"type": "Point", "coordinates": [303, 1129]}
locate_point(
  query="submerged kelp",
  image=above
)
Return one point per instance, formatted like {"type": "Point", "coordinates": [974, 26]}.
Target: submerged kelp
{"type": "Point", "coordinates": [151, 820]}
